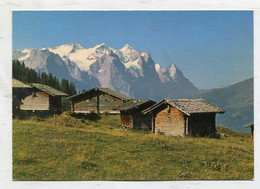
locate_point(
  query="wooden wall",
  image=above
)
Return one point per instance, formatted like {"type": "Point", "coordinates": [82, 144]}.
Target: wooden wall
{"type": "Point", "coordinates": [141, 121]}
{"type": "Point", "coordinates": [170, 121]}
{"type": "Point", "coordinates": [136, 120]}
{"type": "Point", "coordinates": [55, 103]}
{"type": "Point", "coordinates": [36, 100]}
{"type": "Point", "coordinates": [89, 103]}
{"type": "Point", "coordinates": [126, 120]}
{"type": "Point", "coordinates": [202, 124]}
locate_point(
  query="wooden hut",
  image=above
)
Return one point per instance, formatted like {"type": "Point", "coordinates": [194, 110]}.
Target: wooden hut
{"type": "Point", "coordinates": [179, 117]}
{"type": "Point", "coordinates": [37, 97]}
{"type": "Point", "coordinates": [20, 91]}
{"type": "Point", "coordinates": [98, 100]}
{"type": "Point", "coordinates": [132, 116]}
{"type": "Point", "coordinates": [251, 125]}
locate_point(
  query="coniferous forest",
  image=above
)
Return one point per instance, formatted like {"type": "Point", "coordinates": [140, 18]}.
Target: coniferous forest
{"type": "Point", "coordinates": [29, 75]}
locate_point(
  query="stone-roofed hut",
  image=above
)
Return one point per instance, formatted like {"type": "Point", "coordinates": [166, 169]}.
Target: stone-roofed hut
{"type": "Point", "coordinates": [44, 97]}
{"type": "Point", "coordinates": [132, 116]}
{"type": "Point", "coordinates": [99, 100]}
{"type": "Point", "coordinates": [179, 117]}
{"type": "Point", "coordinates": [37, 97]}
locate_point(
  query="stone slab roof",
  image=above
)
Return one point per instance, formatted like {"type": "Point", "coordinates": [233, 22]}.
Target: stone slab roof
{"type": "Point", "coordinates": [104, 90]}
{"type": "Point", "coordinates": [49, 90]}
{"type": "Point", "coordinates": [18, 84]}
{"type": "Point", "coordinates": [134, 104]}
{"type": "Point", "coordinates": [188, 106]}
{"type": "Point", "coordinates": [114, 93]}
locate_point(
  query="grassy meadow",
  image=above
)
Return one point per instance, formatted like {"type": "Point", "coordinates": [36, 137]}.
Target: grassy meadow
{"type": "Point", "coordinates": [65, 148]}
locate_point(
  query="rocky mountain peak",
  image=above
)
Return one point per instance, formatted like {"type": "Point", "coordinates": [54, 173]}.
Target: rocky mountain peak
{"type": "Point", "coordinates": [27, 50]}
{"type": "Point", "coordinates": [172, 70]}
{"type": "Point", "coordinates": [126, 70]}
{"type": "Point", "coordinates": [66, 49]}
{"type": "Point", "coordinates": [130, 53]}
{"type": "Point", "coordinates": [75, 47]}
{"type": "Point", "coordinates": [157, 67]}
{"type": "Point", "coordinates": [102, 46]}
{"type": "Point", "coordinates": [127, 47]}
{"type": "Point", "coordinates": [146, 56]}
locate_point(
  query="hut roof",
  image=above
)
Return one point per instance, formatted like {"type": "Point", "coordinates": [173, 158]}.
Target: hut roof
{"type": "Point", "coordinates": [249, 125]}
{"type": "Point", "coordinates": [49, 90]}
{"type": "Point", "coordinates": [188, 106]}
{"type": "Point", "coordinates": [105, 90]}
{"type": "Point", "coordinates": [134, 104]}
{"type": "Point", "coordinates": [18, 84]}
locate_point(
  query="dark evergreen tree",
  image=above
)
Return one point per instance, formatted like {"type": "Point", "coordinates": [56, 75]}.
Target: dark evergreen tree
{"type": "Point", "coordinates": [29, 75]}
{"type": "Point", "coordinates": [72, 88]}
{"type": "Point", "coordinates": [64, 87]}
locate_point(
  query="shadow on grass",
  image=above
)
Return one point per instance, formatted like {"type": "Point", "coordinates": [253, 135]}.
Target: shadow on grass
{"type": "Point", "coordinates": [90, 116]}
{"type": "Point", "coordinates": [43, 115]}
{"type": "Point", "coordinates": [24, 161]}
{"type": "Point", "coordinates": [87, 165]}
{"type": "Point", "coordinates": [39, 115]}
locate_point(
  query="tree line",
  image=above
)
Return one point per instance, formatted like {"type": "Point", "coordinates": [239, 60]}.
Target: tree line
{"type": "Point", "coordinates": [29, 75]}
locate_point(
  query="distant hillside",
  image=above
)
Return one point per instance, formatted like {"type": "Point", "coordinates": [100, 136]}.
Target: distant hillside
{"type": "Point", "coordinates": [238, 102]}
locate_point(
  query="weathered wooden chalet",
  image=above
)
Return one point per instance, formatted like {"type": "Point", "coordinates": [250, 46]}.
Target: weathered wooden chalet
{"type": "Point", "coordinates": [179, 117]}
{"type": "Point", "coordinates": [251, 125]}
{"type": "Point", "coordinates": [36, 97]}
{"type": "Point", "coordinates": [98, 100]}
{"type": "Point", "coordinates": [20, 91]}
{"type": "Point", "coordinates": [132, 116]}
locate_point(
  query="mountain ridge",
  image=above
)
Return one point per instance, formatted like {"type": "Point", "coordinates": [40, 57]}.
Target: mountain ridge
{"type": "Point", "coordinates": [127, 70]}
{"type": "Point", "coordinates": [238, 102]}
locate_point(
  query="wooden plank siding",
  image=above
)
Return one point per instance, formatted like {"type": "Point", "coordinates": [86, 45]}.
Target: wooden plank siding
{"type": "Point", "coordinates": [142, 121]}
{"type": "Point", "coordinates": [55, 103]}
{"type": "Point", "coordinates": [132, 116]}
{"type": "Point", "coordinates": [136, 121]}
{"type": "Point", "coordinates": [126, 120]}
{"type": "Point", "coordinates": [170, 121]}
{"type": "Point", "coordinates": [36, 100]}
{"type": "Point", "coordinates": [202, 124]}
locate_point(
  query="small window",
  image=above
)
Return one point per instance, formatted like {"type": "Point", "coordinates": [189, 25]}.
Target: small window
{"type": "Point", "coordinates": [169, 109]}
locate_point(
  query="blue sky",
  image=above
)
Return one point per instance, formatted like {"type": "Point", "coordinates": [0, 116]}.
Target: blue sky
{"type": "Point", "coordinates": [211, 48]}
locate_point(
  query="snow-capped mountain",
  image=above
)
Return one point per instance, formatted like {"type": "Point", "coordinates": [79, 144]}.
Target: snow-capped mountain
{"type": "Point", "coordinates": [127, 70]}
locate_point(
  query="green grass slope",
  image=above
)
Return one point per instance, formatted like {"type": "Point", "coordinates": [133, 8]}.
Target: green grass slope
{"type": "Point", "coordinates": [65, 148]}
{"type": "Point", "coordinates": [238, 102]}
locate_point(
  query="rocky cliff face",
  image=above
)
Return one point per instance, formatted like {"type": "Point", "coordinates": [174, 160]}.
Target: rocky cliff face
{"type": "Point", "coordinates": [127, 70]}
